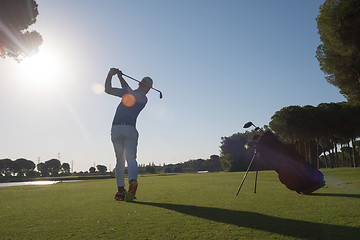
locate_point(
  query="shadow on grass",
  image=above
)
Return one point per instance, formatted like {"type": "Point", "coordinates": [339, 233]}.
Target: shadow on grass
{"type": "Point", "coordinates": [258, 221]}
{"type": "Point", "coordinates": [336, 195]}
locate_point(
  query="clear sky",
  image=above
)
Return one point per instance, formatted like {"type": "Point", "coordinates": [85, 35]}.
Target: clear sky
{"type": "Point", "coordinates": [219, 64]}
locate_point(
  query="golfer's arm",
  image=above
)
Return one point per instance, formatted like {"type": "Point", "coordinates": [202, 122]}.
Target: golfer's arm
{"type": "Point", "coordinates": [108, 86]}
{"type": "Point", "coordinates": [123, 83]}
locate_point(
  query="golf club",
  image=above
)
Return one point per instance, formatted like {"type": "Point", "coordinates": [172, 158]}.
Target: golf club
{"type": "Point", "coordinates": [139, 81]}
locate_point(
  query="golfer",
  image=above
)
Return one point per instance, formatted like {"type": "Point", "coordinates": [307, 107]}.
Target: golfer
{"type": "Point", "coordinates": [124, 135]}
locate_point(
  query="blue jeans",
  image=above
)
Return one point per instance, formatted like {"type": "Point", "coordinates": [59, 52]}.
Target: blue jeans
{"type": "Point", "coordinates": [125, 141]}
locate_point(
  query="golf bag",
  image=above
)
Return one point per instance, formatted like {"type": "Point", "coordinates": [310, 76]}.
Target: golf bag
{"type": "Point", "coordinates": [293, 171]}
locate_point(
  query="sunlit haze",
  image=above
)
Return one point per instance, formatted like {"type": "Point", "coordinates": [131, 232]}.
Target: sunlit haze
{"type": "Point", "coordinates": [43, 69]}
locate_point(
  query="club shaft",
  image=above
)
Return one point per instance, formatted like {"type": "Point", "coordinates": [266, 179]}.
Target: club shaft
{"type": "Point", "coordinates": [130, 77]}
{"type": "Point", "coordinates": [139, 81]}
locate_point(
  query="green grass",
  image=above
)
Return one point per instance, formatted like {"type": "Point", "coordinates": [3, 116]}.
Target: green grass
{"type": "Point", "coordinates": [185, 206]}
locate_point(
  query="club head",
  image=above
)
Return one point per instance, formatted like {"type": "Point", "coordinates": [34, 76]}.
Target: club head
{"type": "Point", "coordinates": [161, 95]}
{"type": "Point", "coordinates": [248, 124]}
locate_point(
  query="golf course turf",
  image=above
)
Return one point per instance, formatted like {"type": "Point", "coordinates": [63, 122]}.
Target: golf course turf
{"type": "Point", "coordinates": [185, 206]}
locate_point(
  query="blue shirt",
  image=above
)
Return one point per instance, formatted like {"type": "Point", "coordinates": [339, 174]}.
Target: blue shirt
{"type": "Point", "coordinates": [133, 101]}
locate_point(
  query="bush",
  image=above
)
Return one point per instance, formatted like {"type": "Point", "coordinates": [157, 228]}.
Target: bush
{"type": "Point", "coordinates": [178, 169]}
{"type": "Point", "coordinates": [150, 169]}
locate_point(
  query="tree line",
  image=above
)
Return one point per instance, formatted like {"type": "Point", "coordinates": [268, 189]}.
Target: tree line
{"type": "Point", "coordinates": [26, 168]}
{"type": "Point", "coordinates": [325, 135]}
{"type": "Point", "coordinates": [321, 130]}
{"type": "Point", "coordinates": [212, 164]}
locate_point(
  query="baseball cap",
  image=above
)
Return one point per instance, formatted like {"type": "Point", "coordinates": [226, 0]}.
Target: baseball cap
{"type": "Point", "coordinates": [147, 81]}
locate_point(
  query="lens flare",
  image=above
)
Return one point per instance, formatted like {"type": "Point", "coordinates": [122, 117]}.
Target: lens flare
{"type": "Point", "coordinates": [128, 100]}
{"type": "Point", "coordinates": [98, 88]}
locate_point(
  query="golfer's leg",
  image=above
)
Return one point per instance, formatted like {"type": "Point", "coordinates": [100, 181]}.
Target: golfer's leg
{"type": "Point", "coordinates": [130, 153]}
{"type": "Point", "coordinates": [120, 162]}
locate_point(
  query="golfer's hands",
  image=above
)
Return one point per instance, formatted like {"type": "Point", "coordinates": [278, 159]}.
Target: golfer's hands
{"type": "Point", "coordinates": [114, 71]}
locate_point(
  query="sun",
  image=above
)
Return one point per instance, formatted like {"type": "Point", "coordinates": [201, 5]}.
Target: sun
{"type": "Point", "coordinates": [42, 70]}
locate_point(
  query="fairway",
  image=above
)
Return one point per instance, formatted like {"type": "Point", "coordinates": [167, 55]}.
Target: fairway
{"type": "Point", "coordinates": [185, 206]}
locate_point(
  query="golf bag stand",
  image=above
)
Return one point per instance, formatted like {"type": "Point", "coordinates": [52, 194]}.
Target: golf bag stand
{"type": "Point", "coordinates": [257, 171]}
{"type": "Point", "coordinates": [247, 171]}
